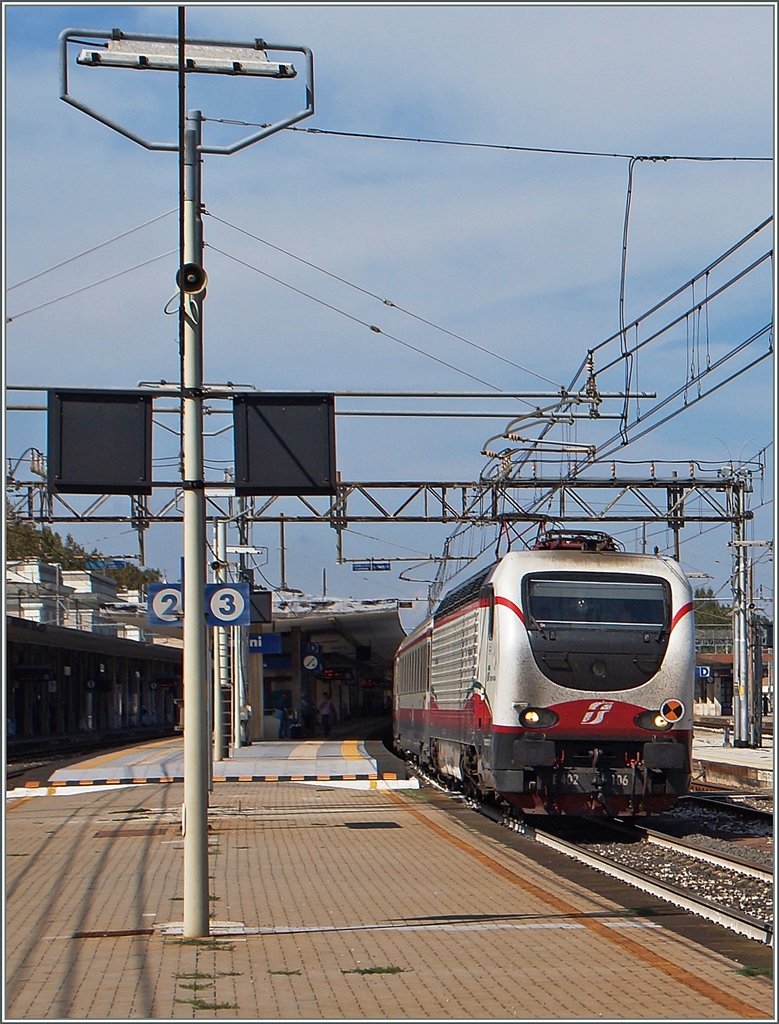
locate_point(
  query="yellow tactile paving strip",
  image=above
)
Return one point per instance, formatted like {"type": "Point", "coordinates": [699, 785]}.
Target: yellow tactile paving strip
{"type": "Point", "coordinates": [136, 752]}
{"type": "Point", "coordinates": [162, 761]}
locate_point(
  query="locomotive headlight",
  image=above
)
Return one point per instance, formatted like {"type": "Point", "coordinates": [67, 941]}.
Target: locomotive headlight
{"type": "Point", "coordinates": [538, 718]}
{"type": "Point", "coordinates": [652, 721]}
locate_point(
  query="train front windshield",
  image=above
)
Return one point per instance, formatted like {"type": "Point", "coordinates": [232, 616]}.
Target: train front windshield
{"type": "Point", "coordinates": [558, 602]}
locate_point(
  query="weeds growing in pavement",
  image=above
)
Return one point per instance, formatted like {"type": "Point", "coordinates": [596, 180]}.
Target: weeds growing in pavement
{"type": "Point", "coordinates": [207, 944]}
{"type": "Point", "coordinates": [199, 1004]}
{"type": "Point", "coordinates": [200, 975]}
{"type": "Point", "coordinates": [755, 972]}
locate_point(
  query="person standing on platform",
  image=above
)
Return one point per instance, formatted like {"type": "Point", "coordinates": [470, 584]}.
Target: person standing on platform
{"type": "Point", "coordinates": [326, 710]}
{"type": "Point", "coordinates": [308, 714]}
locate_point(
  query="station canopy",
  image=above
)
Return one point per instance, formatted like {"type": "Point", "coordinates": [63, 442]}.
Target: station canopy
{"type": "Point", "coordinates": [366, 631]}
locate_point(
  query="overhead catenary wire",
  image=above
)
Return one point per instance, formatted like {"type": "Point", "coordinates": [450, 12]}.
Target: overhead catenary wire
{"type": "Point", "coordinates": [378, 298]}
{"type": "Point", "coordinates": [94, 248]}
{"type": "Point", "coordinates": [657, 158]}
{"type": "Point", "coordinates": [622, 280]}
{"type": "Point", "coordinates": [387, 543]}
{"type": "Point", "coordinates": [621, 336]}
{"type": "Point", "coordinates": [687, 284]}
{"type": "Point", "coordinates": [87, 287]}
{"type": "Point", "coordinates": [354, 319]}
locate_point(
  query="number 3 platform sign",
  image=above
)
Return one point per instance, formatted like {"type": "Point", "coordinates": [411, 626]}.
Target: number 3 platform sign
{"type": "Point", "coordinates": [227, 604]}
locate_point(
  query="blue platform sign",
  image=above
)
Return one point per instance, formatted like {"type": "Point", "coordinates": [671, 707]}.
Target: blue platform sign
{"type": "Point", "coordinates": [165, 606]}
{"type": "Point", "coordinates": [228, 604]}
{"type": "Point", "coordinates": [370, 566]}
{"type": "Point", "coordinates": [265, 643]}
{"type": "Point", "coordinates": [703, 672]}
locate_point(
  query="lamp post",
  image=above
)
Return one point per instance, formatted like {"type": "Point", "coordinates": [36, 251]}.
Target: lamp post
{"type": "Point", "coordinates": [167, 53]}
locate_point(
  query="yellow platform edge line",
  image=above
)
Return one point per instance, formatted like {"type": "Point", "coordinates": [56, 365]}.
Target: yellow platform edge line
{"type": "Point", "coordinates": [349, 750]}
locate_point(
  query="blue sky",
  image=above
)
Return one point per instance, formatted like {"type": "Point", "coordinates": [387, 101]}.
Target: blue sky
{"type": "Point", "coordinates": [518, 252]}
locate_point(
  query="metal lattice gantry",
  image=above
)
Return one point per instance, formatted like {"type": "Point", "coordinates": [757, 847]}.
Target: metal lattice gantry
{"type": "Point", "coordinates": [698, 497]}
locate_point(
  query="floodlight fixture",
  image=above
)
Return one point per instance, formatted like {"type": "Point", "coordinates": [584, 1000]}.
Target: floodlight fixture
{"type": "Point", "coordinates": [162, 56]}
{"type": "Point", "coordinates": [142, 51]}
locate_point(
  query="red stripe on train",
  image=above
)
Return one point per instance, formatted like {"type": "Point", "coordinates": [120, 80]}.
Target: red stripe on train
{"type": "Point", "coordinates": [458, 613]}
{"type": "Point", "coordinates": [512, 607]}
{"type": "Point", "coordinates": [684, 610]}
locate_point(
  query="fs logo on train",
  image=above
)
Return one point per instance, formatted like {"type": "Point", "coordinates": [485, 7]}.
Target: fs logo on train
{"type": "Point", "coordinates": [597, 711]}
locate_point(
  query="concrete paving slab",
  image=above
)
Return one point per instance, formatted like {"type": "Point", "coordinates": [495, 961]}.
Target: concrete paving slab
{"type": "Point", "coordinates": [328, 904]}
{"type": "Point", "coordinates": [728, 765]}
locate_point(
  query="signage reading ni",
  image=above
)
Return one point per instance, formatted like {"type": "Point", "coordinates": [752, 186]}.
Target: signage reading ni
{"type": "Point", "coordinates": [265, 643]}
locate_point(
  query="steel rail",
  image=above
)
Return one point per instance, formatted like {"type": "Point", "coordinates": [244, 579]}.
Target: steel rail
{"type": "Point", "coordinates": [735, 920]}
{"type": "Point", "coordinates": [720, 860]}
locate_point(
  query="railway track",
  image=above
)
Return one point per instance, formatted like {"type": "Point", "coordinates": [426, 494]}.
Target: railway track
{"type": "Point", "coordinates": [713, 891]}
{"type": "Point", "coordinates": [749, 803]}
{"type": "Point", "coordinates": [699, 873]}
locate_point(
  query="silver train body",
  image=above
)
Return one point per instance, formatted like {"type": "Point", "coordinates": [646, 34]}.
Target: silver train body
{"type": "Point", "coordinates": [560, 680]}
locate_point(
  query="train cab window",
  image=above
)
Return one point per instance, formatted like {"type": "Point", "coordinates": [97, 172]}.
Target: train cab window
{"type": "Point", "coordinates": [584, 601]}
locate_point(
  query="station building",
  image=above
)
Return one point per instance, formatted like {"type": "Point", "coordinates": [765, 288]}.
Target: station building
{"type": "Point", "coordinates": [82, 659]}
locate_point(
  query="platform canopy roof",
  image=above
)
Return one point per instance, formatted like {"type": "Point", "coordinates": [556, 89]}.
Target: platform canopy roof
{"type": "Point", "coordinates": [340, 625]}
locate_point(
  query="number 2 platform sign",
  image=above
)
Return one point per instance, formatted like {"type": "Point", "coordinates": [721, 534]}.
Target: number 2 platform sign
{"type": "Point", "coordinates": [164, 606]}
{"type": "Point", "coordinates": [227, 604]}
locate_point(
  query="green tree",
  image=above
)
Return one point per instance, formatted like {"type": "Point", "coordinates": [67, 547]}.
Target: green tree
{"type": "Point", "coordinates": [709, 611]}
{"type": "Point", "coordinates": [23, 540]}
{"type": "Point", "coordinates": [132, 577]}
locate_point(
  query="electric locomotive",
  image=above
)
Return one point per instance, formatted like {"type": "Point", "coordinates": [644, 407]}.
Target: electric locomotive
{"type": "Point", "coordinates": [559, 679]}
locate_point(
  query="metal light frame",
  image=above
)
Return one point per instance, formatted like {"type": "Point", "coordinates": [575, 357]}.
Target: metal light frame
{"type": "Point", "coordinates": [68, 34]}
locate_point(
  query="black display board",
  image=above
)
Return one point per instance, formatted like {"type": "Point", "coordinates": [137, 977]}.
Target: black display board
{"type": "Point", "coordinates": [284, 443]}
{"type": "Point", "coordinates": [99, 442]}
